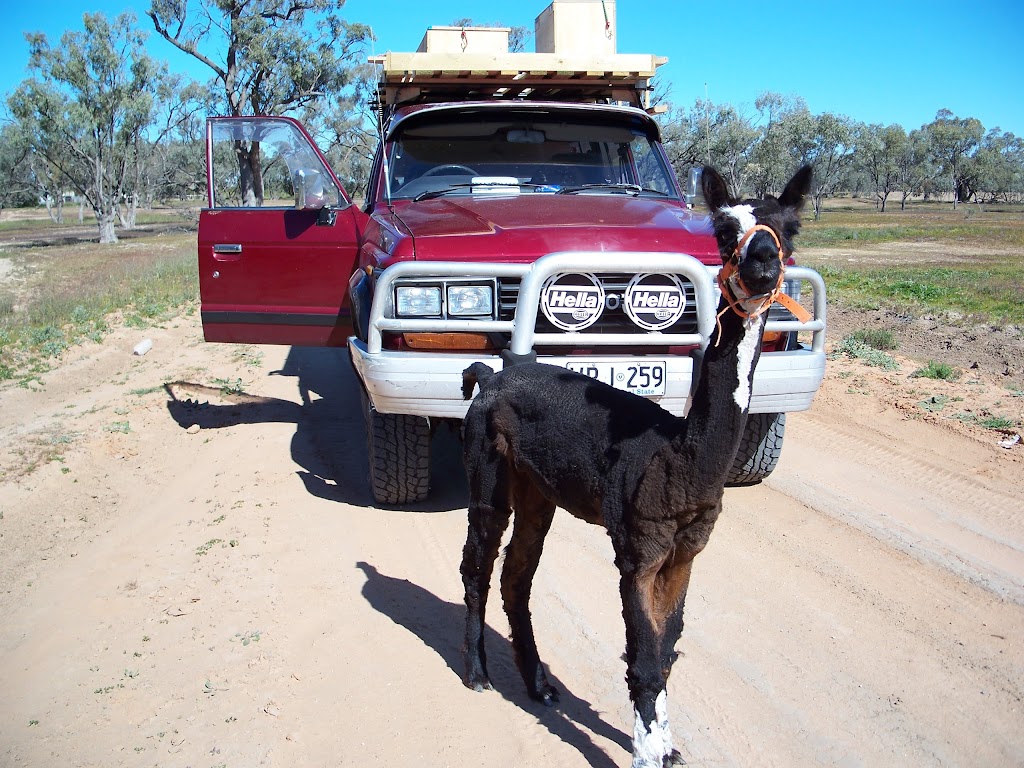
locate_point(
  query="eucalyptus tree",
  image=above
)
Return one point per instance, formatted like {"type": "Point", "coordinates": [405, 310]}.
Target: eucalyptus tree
{"type": "Point", "coordinates": [267, 57]}
{"type": "Point", "coordinates": [878, 155]}
{"type": "Point", "coordinates": [732, 145]}
{"type": "Point", "coordinates": [15, 151]}
{"type": "Point", "coordinates": [347, 129]}
{"type": "Point", "coordinates": [771, 159]}
{"type": "Point", "coordinates": [708, 133]}
{"type": "Point", "coordinates": [995, 173]}
{"type": "Point", "coordinates": [954, 140]}
{"type": "Point", "coordinates": [915, 167]}
{"type": "Point", "coordinates": [177, 167]}
{"type": "Point", "coordinates": [828, 142]}
{"type": "Point", "coordinates": [87, 105]}
{"type": "Point", "coordinates": [683, 137]}
{"type": "Point", "coordinates": [173, 147]}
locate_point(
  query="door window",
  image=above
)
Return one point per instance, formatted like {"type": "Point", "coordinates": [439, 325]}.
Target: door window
{"type": "Point", "coordinates": [263, 163]}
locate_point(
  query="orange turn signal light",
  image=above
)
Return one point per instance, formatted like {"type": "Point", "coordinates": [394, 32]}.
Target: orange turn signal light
{"type": "Point", "coordinates": [448, 341]}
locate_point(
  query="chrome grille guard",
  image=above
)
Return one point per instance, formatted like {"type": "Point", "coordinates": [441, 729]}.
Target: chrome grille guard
{"type": "Point", "coordinates": [532, 278]}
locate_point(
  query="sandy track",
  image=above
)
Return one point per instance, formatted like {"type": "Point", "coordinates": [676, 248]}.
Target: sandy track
{"type": "Point", "coordinates": [230, 597]}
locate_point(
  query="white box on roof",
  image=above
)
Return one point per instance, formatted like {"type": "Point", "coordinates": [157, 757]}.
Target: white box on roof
{"type": "Point", "coordinates": [484, 40]}
{"type": "Point", "coordinates": [576, 26]}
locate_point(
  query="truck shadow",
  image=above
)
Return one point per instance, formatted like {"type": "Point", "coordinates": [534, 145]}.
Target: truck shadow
{"type": "Point", "coordinates": [329, 443]}
{"type": "Point", "coordinates": [439, 625]}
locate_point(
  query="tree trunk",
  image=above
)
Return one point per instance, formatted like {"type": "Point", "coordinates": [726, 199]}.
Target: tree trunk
{"type": "Point", "coordinates": [817, 200]}
{"type": "Point", "coordinates": [55, 210]}
{"type": "Point", "coordinates": [106, 226]}
{"type": "Point", "coordinates": [130, 212]}
{"type": "Point", "coordinates": [963, 192]}
{"type": "Point", "coordinates": [250, 173]}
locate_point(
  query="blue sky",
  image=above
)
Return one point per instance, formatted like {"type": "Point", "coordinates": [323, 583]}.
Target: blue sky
{"type": "Point", "coordinates": [877, 62]}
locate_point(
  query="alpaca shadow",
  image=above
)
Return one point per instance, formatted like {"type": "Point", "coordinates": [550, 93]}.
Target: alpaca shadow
{"type": "Point", "coordinates": [329, 443]}
{"type": "Point", "coordinates": [439, 625]}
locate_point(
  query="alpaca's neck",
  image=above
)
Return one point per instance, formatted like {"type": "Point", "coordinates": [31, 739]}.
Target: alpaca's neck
{"type": "Point", "coordinates": [718, 412]}
{"type": "Point", "coordinates": [688, 474]}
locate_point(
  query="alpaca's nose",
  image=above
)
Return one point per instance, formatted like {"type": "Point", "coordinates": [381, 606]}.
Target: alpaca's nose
{"type": "Point", "coordinates": [760, 266]}
{"type": "Point", "coordinates": [762, 248]}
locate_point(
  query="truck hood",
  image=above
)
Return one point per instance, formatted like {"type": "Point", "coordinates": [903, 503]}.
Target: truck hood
{"type": "Point", "coordinates": [522, 228]}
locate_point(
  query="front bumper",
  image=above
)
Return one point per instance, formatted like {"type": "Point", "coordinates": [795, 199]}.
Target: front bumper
{"type": "Point", "coordinates": [430, 383]}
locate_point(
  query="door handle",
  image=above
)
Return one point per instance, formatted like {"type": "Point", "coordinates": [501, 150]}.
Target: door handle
{"type": "Point", "coordinates": [231, 248]}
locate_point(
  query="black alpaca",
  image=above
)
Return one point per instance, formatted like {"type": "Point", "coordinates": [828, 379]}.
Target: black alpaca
{"type": "Point", "coordinates": [538, 436]}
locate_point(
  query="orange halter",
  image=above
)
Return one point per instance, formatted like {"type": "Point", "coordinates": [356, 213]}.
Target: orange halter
{"type": "Point", "coordinates": [730, 282]}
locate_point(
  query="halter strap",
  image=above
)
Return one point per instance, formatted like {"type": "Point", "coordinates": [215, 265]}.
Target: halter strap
{"type": "Point", "coordinates": [730, 283]}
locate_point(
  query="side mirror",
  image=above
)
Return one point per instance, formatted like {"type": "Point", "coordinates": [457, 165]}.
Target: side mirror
{"type": "Point", "coordinates": [309, 190]}
{"type": "Point", "coordinates": [693, 191]}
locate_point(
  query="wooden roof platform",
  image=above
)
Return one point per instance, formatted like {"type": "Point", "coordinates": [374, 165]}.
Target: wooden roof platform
{"type": "Point", "coordinates": [431, 77]}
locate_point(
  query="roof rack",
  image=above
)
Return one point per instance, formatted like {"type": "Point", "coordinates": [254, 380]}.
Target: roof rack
{"type": "Point", "coordinates": [416, 78]}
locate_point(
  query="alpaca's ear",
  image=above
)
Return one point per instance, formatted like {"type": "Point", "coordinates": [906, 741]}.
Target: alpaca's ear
{"type": "Point", "coordinates": [716, 193]}
{"type": "Point", "coordinates": [795, 193]}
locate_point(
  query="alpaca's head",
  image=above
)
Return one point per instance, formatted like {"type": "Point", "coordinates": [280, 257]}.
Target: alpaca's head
{"type": "Point", "coordinates": [742, 228]}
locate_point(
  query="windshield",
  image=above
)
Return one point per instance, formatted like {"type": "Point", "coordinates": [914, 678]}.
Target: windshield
{"type": "Point", "coordinates": [525, 153]}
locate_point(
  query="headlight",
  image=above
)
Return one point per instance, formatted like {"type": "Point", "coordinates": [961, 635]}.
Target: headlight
{"type": "Point", "coordinates": [418, 301]}
{"type": "Point", "coordinates": [470, 301]}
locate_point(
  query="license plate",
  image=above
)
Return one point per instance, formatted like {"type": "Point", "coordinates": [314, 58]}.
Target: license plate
{"type": "Point", "coordinates": [646, 378]}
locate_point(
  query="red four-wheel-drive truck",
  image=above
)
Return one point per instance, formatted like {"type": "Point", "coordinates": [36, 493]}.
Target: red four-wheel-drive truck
{"type": "Point", "coordinates": [520, 206]}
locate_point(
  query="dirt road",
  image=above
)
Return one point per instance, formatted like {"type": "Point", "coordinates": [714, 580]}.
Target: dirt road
{"type": "Point", "coordinates": [210, 586]}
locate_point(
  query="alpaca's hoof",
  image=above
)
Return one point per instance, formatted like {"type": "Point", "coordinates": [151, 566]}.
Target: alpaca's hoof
{"type": "Point", "coordinates": [548, 696]}
{"type": "Point", "coordinates": [673, 759]}
{"type": "Point", "coordinates": [478, 683]}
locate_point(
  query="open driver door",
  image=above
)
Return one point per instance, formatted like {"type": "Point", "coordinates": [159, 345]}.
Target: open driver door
{"type": "Point", "coordinates": [279, 239]}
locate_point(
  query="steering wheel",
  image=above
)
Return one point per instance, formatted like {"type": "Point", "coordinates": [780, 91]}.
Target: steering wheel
{"type": "Point", "coordinates": [447, 170]}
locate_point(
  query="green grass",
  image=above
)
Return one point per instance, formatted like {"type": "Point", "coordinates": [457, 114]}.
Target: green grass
{"type": "Point", "coordinates": [846, 222]}
{"type": "Point", "coordinates": [39, 221]}
{"type": "Point", "coordinates": [853, 348]}
{"type": "Point", "coordinates": [76, 292]}
{"type": "Point", "coordinates": [836, 235]}
{"type": "Point", "coordinates": [990, 292]}
{"type": "Point", "coordinates": [876, 338]}
{"type": "Point", "coordinates": [986, 284]}
{"type": "Point", "coordinates": [935, 370]}
{"type": "Point", "coordinates": [995, 422]}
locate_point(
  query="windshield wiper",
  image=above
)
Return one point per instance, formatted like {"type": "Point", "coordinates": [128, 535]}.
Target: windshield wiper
{"type": "Point", "coordinates": [626, 189]}
{"type": "Point", "coordinates": [431, 194]}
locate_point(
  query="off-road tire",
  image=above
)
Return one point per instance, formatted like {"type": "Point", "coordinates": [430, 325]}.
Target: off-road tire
{"type": "Point", "coordinates": [399, 446]}
{"type": "Point", "coordinates": [760, 448]}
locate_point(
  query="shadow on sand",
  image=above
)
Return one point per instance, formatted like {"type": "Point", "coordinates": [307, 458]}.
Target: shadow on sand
{"type": "Point", "coordinates": [439, 623]}
{"type": "Point", "coordinates": [330, 445]}
{"type": "Point", "coordinates": [330, 432]}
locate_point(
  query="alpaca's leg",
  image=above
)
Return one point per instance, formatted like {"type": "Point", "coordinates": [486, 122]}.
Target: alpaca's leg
{"type": "Point", "coordinates": [652, 738]}
{"type": "Point", "coordinates": [488, 517]}
{"type": "Point", "coordinates": [670, 588]}
{"type": "Point", "coordinates": [533, 519]}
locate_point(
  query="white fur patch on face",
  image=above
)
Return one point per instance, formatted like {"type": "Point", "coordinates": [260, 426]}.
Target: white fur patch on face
{"type": "Point", "coordinates": [745, 360]}
{"type": "Point", "coordinates": [653, 742]}
{"type": "Point", "coordinates": [744, 215]}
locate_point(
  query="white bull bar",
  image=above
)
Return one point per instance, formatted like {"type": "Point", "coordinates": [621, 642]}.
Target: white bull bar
{"type": "Point", "coordinates": [429, 383]}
